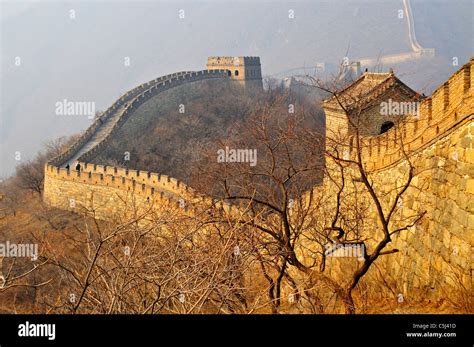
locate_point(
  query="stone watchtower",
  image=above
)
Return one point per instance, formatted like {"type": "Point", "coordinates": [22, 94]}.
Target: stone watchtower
{"type": "Point", "coordinates": [246, 70]}
{"type": "Point", "coordinates": [374, 101]}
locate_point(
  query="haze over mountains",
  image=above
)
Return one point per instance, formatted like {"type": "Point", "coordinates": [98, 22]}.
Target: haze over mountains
{"type": "Point", "coordinates": [82, 59]}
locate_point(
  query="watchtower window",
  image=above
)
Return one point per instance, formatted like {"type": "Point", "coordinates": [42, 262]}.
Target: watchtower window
{"type": "Point", "coordinates": [385, 126]}
{"type": "Point", "coordinates": [236, 73]}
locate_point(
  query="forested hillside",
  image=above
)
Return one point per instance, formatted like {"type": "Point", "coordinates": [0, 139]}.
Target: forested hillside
{"type": "Point", "coordinates": [169, 133]}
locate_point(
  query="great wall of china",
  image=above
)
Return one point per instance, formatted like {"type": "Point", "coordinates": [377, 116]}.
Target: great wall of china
{"type": "Point", "coordinates": [448, 108]}
{"type": "Point", "coordinates": [439, 142]}
{"type": "Point", "coordinates": [417, 50]}
{"type": "Point", "coordinates": [433, 259]}
{"type": "Point", "coordinates": [71, 189]}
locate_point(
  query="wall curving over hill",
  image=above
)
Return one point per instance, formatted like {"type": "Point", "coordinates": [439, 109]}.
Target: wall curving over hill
{"type": "Point", "coordinates": [449, 108]}
{"type": "Point", "coordinates": [64, 187]}
{"type": "Point", "coordinates": [434, 256]}
{"type": "Point", "coordinates": [94, 138]}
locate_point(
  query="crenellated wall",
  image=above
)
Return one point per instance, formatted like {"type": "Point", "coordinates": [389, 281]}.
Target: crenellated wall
{"type": "Point", "coordinates": [449, 107]}
{"type": "Point", "coordinates": [61, 185]}
{"type": "Point", "coordinates": [157, 181]}
{"type": "Point", "coordinates": [434, 257]}
{"type": "Point", "coordinates": [97, 136]}
{"type": "Point", "coordinates": [113, 191]}
{"type": "Point", "coordinates": [245, 70]}
{"type": "Point", "coordinates": [85, 137]}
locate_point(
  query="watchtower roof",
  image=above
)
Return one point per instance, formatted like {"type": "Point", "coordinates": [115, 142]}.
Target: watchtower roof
{"type": "Point", "coordinates": [369, 87]}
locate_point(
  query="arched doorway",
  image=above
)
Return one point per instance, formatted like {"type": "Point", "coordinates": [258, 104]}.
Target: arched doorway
{"type": "Point", "coordinates": [236, 72]}
{"type": "Point", "coordinates": [385, 126]}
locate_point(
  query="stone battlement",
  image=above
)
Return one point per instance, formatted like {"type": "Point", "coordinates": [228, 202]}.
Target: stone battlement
{"type": "Point", "coordinates": [61, 183]}
{"type": "Point", "coordinates": [433, 256]}
{"type": "Point", "coordinates": [112, 187]}
{"type": "Point", "coordinates": [119, 112]}
{"type": "Point", "coordinates": [441, 132]}
{"type": "Point", "coordinates": [246, 70]}
{"type": "Point", "coordinates": [58, 160]}
{"type": "Point", "coordinates": [151, 179]}
{"type": "Point", "coordinates": [235, 61]}
{"type": "Point", "coordinates": [449, 106]}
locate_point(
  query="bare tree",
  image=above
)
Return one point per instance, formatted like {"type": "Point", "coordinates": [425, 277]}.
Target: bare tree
{"type": "Point", "coordinates": [292, 223]}
{"type": "Point", "coordinates": [278, 210]}
{"type": "Point", "coordinates": [343, 169]}
{"type": "Point", "coordinates": [160, 260]}
{"type": "Point", "coordinates": [30, 174]}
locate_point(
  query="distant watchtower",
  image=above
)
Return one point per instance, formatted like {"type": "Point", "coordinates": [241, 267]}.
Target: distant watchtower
{"type": "Point", "coordinates": [246, 70]}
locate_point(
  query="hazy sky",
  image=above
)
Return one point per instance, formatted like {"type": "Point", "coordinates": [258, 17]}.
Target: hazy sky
{"type": "Point", "coordinates": [51, 51]}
